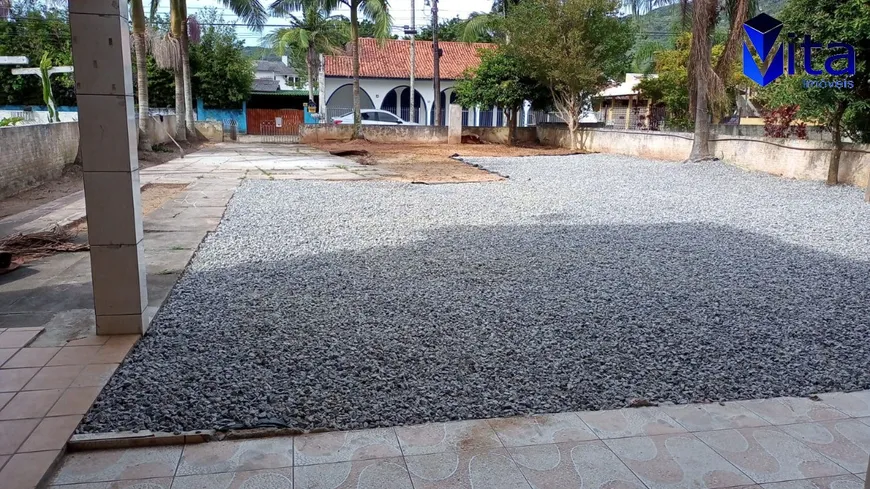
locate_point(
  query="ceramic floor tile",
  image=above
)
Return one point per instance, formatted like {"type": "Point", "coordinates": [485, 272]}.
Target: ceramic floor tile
{"type": "Point", "coordinates": [767, 454]}
{"type": "Point", "coordinates": [344, 446]}
{"type": "Point", "coordinates": [854, 404]}
{"type": "Point", "coordinates": [25, 470]}
{"type": "Point", "coordinates": [838, 482]}
{"type": "Point", "coordinates": [121, 464]}
{"type": "Point", "coordinates": [51, 434]}
{"type": "Point", "coordinates": [159, 483]}
{"type": "Point", "coordinates": [12, 380]}
{"type": "Point", "coordinates": [31, 357]}
{"type": "Point", "coordinates": [74, 355]}
{"type": "Point", "coordinates": [586, 465]}
{"type": "Point", "coordinates": [88, 341]}
{"type": "Point", "coordinates": [236, 455]}
{"type": "Point", "coordinates": [466, 469]}
{"type": "Point", "coordinates": [789, 410]}
{"type": "Point", "coordinates": [383, 473]}
{"type": "Point", "coordinates": [257, 479]}
{"type": "Point", "coordinates": [95, 375]}
{"type": "Point", "coordinates": [676, 462]}
{"type": "Point", "coordinates": [620, 423]}
{"type": "Point", "coordinates": [13, 433]}
{"type": "Point", "coordinates": [6, 354]}
{"type": "Point", "coordinates": [542, 429]}
{"type": "Point", "coordinates": [5, 397]}
{"type": "Point", "coordinates": [17, 338]}
{"type": "Point", "coordinates": [75, 400]}
{"type": "Point", "coordinates": [714, 416]}
{"type": "Point", "coordinates": [846, 442]}
{"type": "Point", "coordinates": [54, 378]}
{"type": "Point", "coordinates": [446, 437]}
{"type": "Point", "coordinates": [30, 404]}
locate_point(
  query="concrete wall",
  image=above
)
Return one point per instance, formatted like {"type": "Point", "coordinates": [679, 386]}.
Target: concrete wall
{"type": "Point", "coordinates": [33, 154]}
{"type": "Point", "coordinates": [38, 115]}
{"type": "Point", "coordinates": [313, 133]}
{"type": "Point", "coordinates": [213, 131]}
{"type": "Point", "coordinates": [499, 135]}
{"type": "Point", "coordinates": [160, 127]}
{"type": "Point", "coordinates": [790, 158]}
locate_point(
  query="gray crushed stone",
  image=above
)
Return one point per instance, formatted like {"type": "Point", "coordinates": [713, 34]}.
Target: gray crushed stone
{"type": "Point", "coordinates": [579, 283]}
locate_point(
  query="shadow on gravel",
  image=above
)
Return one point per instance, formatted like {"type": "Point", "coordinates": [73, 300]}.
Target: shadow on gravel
{"type": "Point", "coordinates": [478, 322]}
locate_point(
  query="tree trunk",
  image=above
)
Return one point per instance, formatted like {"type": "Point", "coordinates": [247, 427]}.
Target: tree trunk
{"type": "Point", "coordinates": [354, 36]}
{"type": "Point", "coordinates": [139, 47]}
{"type": "Point", "coordinates": [188, 90]}
{"type": "Point", "coordinates": [180, 125]}
{"type": "Point", "coordinates": [701, 142]}
{"type": "Point", "coordinates": [837, 136]}
{"type": "Point", "coordinates": [310, 63]}
{"type": "Point", "coordinates": [512, 127]}
{"type": "Point", "coordinates": [572, 134]}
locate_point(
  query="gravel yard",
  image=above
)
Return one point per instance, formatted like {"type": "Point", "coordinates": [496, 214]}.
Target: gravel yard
{"type": "Point", "coordinates": [579, 283]}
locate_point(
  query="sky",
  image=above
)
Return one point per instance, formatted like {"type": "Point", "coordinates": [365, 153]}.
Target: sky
{"type": "Point", "coordinates": [400, 9]}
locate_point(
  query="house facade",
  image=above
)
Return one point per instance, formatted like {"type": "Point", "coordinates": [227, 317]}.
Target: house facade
{"type": "Point", "coordinates": [277, 71]}
{"type": "Point", "coordinates": [384, 80]}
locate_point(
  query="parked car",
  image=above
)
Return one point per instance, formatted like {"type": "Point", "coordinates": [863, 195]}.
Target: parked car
{"type": "Point", "coordinates": [373, 117]}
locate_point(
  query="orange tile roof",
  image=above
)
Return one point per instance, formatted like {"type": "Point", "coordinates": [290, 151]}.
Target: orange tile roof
{"type": "Point", "coordinates": [392, 59]}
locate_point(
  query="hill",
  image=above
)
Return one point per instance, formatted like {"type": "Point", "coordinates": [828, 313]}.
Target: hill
{"type": "Point", "coordinates": [658, 23]}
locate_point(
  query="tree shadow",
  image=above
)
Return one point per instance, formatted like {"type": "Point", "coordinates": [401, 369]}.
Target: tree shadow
{"type": "Point", "coordinates": [478, 322]}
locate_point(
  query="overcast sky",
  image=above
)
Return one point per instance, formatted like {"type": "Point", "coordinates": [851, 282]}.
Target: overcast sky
{"type": "Point", "coordinates": [400, 9]}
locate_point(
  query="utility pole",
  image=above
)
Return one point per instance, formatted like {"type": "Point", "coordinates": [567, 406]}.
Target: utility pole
{"type": "Point", "coordinates": [436, 71]}
{"type": "Point", "coordinates": [412, 31]}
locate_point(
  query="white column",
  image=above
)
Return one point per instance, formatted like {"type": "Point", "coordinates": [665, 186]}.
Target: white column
{"type": "Point", "coordinates": [107, 127]}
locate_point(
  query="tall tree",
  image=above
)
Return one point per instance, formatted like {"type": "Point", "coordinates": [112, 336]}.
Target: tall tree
{"type": "Point", "coordinates": [572, 47]}
{"type": "Point", "coordinates": [317, 32]}
{"type": "Point", "coordinates": [706, 81]}
{"type": "Point", "coordinates": [375, 10]}
{"type": "Point", "coordinates": [221, 71]}
{"type": "Point", "coordinates": [140, 50]}
{"type": "Point", "coordinates": [841, 110]}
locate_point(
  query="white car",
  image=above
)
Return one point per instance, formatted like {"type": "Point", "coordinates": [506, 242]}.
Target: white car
{"type": "Point", "coordinates": [373, 117]}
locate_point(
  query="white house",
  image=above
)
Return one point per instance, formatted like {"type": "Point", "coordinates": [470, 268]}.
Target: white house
{"type": "Point", "coordinates": [384, 76]}
{"type": "Point", "coordinates": [278, 71]}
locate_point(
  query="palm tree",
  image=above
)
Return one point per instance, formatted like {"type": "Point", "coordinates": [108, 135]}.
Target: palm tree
{"type": "Point", "coordinates": [140, 49]}
{"type": "Point", "coordinates": [706, 81]}
{"type": "Point", "coordinates": [316, 33]}
{"type": "Point", "coordinates": [375, 10]}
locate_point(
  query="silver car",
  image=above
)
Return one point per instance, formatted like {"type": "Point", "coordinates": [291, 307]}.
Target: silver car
{"type": "Point", "coordinates": [373, 117]}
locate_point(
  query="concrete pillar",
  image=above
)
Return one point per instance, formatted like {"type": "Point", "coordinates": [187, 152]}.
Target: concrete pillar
{"type": "Point", "coordinates": [477, 116]}
{"type": "Point", "coordinates": [108, 140]}
{"type": "Point", "coordinates": [628, 113]}
{"type": "Point", "coordinates": [454, 124]}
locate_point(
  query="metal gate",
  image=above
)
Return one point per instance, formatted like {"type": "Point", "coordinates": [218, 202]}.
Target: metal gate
{"type": "Point", "coordinates": [275, 125]}
{"type": "Point", "coordinates": [231, 129]}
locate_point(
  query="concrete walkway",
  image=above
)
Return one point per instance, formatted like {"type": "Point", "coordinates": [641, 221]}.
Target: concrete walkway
{"type": "Point", "coordinates": [52, 364]}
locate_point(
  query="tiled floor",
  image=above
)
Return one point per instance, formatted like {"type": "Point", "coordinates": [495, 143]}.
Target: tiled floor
{"type": "Point", "coordinates": [43, 394]}
{"type": "Point", "coordinates": [774, 444]}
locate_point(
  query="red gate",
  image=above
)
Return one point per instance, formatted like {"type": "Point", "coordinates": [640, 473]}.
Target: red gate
{"type": "Point", "coordinates": [282, 125]}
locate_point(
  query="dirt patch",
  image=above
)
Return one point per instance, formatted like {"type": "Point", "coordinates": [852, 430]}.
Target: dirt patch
{"type": "Point", "coordinates": [154, 195]}
{"type": "Point", "coordinates": [71, 181]}
{"type": "Point", "coordinates": [430, 163]}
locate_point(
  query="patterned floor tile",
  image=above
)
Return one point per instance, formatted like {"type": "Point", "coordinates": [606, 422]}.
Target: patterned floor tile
{"type": "Point", "coordinates": [236, 455]}
{"type": "Point", "coordinates": [854, 404]}
{"type": "Point", "coordinates": [446, 437]}
{"type": "Point", "coordinates": [344, 446]}
{"type": "Point", "coordinates": [257, 479]}
{"type": "Point", "coordinates": [846, 442]}
{"type": "Point", "coordinates": [767, 454]}
{"type": "Point", "coordinates": [122, 464]}
{"type": "Point", "coordinates": [383, 473]}
{"type": "Point", "coordinates": [789, 410]}
{"type": "Point", "coordinates": [582, 465]}
{"type": "Point", "coordinates": [631, 422]}
{"type": "Point", "coordinates": [708, 417]}
{"type": "Point", "coordinates": [676, 462]}
{"type": "Point", "coordinates": [489, 468]}
{"type": "Point", "coordinates": [838, 482]}
{"type": "Point", "coordinates": [160, 483]}
{"type": "Point", "coordinates": [544, 429]}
